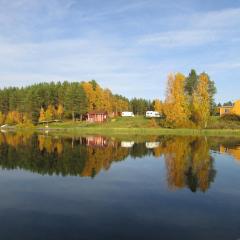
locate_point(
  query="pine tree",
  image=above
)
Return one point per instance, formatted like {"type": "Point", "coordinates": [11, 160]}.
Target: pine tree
{"type": "Point", "coordinates": [191, 82]}
{"type": "Point", "coordinates": [75, 100]}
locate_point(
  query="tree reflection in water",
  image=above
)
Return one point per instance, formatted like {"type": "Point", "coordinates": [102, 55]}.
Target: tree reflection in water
{"type": "Point", "coordinates": [188, 160]}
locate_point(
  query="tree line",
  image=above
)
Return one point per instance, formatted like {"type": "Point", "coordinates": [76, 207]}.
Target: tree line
{"type": "Point", "coordinates": [189, 101]}
{"type": "Point", "coordinates": [47, 101]}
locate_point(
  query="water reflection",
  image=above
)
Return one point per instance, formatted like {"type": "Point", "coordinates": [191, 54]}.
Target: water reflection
{"type": "Point", "coordinates": [188, 161]}
{"type": "Point", "coordinates": [231, 150]}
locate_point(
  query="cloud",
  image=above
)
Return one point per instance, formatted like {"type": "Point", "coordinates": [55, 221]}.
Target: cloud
{"type": "Point", "coordinates": [185, 38]}
{"type": "Point", "coordinates": [224, 66]}
{"type": "Point", "coordinates": [198, 29]}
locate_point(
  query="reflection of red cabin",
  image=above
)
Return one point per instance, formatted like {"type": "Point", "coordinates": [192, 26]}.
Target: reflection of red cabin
{"type": "Point", "coordinates": [96, 117]}
{"type": "Point", "coordinates": [96, 141]}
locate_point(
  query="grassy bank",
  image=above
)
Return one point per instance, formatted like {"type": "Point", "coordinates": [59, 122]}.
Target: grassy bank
{"type": "Point", "coordinates": [137, 126]}
{"type": "Point", "coordinates": [144, 131]}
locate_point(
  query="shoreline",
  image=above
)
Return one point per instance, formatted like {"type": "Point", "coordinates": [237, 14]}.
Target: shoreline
{"type": "Point", "coordinates": [127, 131]}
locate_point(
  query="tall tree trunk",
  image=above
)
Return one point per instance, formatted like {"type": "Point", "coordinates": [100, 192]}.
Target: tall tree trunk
{"type": "Point", "coordinates": [73, 116]}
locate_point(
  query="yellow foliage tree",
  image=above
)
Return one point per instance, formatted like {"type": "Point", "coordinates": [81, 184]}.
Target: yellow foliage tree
{"type": "Point", "coordinates": [50, 112]}
{"type": "Point", "coordinates": [158, 106]}
{"type": "Point", "coordinates": [106, 101]}
{"type": "Point", "coordinates": [2, 118]}
{"type": "Point", "coordinates": [176, 107]}
{"type": "Point", "coordinates": [27, 120]}
{"type": "Point", "coordinates": [91, 95]}
{"type": "Point", "coordinates": [42, 116]}
{"type": "Point", "coordinates": [14, 117]}
{"type": "Point", "coordinates": [236, 108]}
{"type": "Point", "coordinates": [60, 111]}
{"type": "Point", "coordinates": [201, 102]}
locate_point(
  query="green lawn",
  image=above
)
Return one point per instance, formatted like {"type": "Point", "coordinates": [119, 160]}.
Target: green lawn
{"type": "Point", "coordinates": [141, 126]}
{"type": "Point", "coordinates": [120, 122]}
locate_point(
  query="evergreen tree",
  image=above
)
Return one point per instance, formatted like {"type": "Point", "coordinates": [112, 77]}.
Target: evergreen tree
{"type": "Point", "coordinates": [75, 100]}
{"type": "Point", "coordinates": [191, 82]}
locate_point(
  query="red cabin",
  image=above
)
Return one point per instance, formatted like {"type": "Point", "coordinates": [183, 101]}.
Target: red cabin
{"type": "Point", "coordinates": [96, 117]}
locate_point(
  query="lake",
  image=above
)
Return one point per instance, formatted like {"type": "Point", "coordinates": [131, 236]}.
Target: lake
{"type": "Point", "coordinates": [95, 187]}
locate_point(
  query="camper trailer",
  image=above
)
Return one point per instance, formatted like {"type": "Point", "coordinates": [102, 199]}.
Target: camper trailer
{"type": "Point", "coordinates": [127, 114]}
{"type": "Point", "coordinates": [153, 114]}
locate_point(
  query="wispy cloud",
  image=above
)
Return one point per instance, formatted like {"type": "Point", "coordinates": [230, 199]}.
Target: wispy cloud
{"type": "Point", "coordinates": [199, 29]}
{"type": "Point", "coordinates": [185, 38]}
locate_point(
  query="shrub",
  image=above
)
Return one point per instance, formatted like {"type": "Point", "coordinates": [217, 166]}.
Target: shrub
{"type": "Point", "coordinates": [152, 123]}
{"type": "Point", "coordinates": [230, 117]}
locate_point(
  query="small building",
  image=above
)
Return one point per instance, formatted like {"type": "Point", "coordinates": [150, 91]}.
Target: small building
{"type": "Point", "coordinates": [234, 109]}
{"type": "Point", "coordinates": [225, 110]}
{"type": "Point", "coordinates": [127, 114]}
{"type": "Point", "coordinates": [96, 117]}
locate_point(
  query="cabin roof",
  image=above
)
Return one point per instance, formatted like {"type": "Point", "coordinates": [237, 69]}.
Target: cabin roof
{"type": "Point", "coordinates": [226, 107]}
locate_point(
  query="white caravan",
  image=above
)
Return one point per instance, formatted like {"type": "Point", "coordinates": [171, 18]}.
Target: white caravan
{"type": "Point", "coordinates": [127, 114]}
{"type": "Point", "coordinates": [125, 144]}
{"type": "Point", "coordinates": [152, 145]}
{"type": "Point", "coordinates": [153, 114]}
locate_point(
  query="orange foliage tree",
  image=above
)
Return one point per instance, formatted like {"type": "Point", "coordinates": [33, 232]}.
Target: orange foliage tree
{"type": "Point", "coordinates": [158, 105]}
{"type": "Point", "coordinates": [2, 118]}
{"type": "Point", "coordinates": [60, 111]}
{"type": "Point", "coordinates": [176, 107]}
{"type": "Point", "coordinates": [201, 102]}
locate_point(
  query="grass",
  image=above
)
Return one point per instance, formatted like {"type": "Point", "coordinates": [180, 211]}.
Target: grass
{"type": "Point", "coordinates": [138, 126]}
{"type": "Point", "coordinates": [136, 122]}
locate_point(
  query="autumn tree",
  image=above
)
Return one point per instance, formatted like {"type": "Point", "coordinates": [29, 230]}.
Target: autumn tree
{"type": "Point", "coordinates": [236, 108]}
{"type": "Point", "coordinates": [2, 118]}
{"type": "Point", "coordinates": [60, 111]}
{"type": "Point", "coordinates": [13, 117]}
{"type": "Point", "coordinates": [201, 102]}
{"type": "Point", "coordinates": [50, 112]}
{"type": "Point", "coordinates": [120, 104]}
{"type": "Point", "coordinates": [42, 116]}
{"type": "Point", "coordinates": [158, 105]}
{"type": "Point", "coordinates": [176, 107]}
{"type": "Point", "coordinates": [191, 86]}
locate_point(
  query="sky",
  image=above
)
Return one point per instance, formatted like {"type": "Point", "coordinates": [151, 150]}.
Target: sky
{"type": "Point", "coordinates": [128, 46]}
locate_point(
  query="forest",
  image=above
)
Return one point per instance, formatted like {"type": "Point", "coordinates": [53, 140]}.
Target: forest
{"type": "Point", "coordinates": [189, 101]}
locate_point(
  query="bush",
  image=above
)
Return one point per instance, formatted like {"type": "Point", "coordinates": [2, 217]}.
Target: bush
{"type": "Point", "coordinates": [230, 117]}
{"type": "Point", "coordinates": [152, 123]}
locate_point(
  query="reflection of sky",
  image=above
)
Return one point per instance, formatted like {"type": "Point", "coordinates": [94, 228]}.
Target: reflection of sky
{"type": "Point", "coordinates": [128, 46]}
{"type": "Point", "coordinates": [131, 201]}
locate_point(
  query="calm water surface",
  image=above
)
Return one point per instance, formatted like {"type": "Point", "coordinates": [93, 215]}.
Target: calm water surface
{"type": "Point", "coordinates": [112, 188]}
